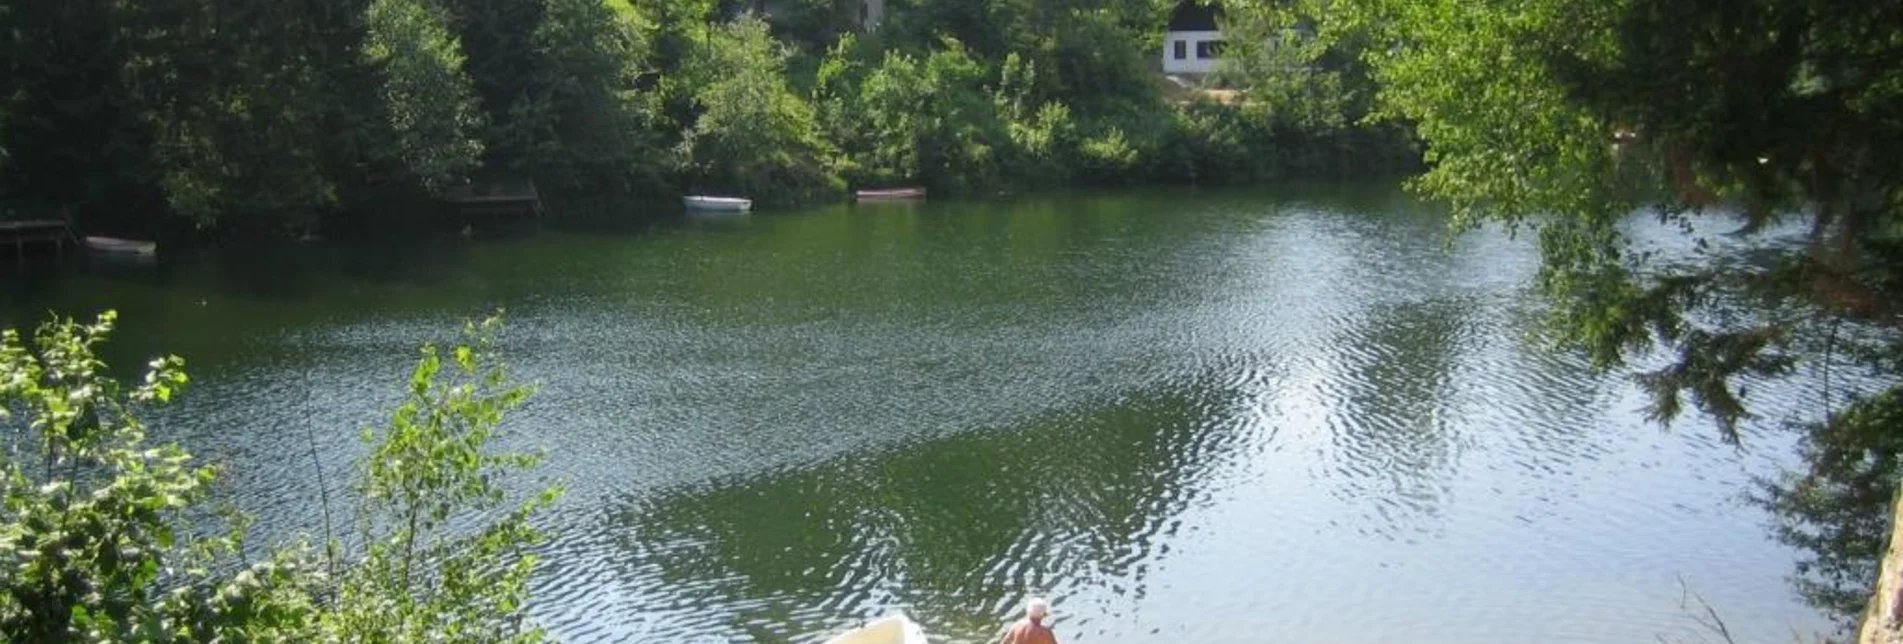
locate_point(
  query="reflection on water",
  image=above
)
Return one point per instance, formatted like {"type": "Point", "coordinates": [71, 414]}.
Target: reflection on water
{"type": "Point", "coordinates": [1230, 417]}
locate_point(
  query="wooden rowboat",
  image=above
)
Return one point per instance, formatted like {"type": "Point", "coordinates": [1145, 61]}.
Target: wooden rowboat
{"type": "Point", "coordinates": [891, 194]}
{"type": "Point", "coordinates": [117, 246]}
{"type": "Point", "coordinates": [717, 204]}
{"type": "Point", "coordinates": [897, 629]}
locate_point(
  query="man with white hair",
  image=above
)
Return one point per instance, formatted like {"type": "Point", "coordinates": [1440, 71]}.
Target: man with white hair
{"type": "Point", "coordinates": [1031, 629]}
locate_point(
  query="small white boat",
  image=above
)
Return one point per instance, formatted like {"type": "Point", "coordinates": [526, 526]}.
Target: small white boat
{"type": "Point", "coordinates": [117, 246]}
{"type": "Point", "coordinates": [897, 629]}
{"type": "Point", "coordinates": [891, 194]}
{"type": "Point", "coordinates": [717, 204]}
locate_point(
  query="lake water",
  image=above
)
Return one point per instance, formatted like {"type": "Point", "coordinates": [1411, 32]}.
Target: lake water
{"type": "Point", "coordinates": [1292, 416]}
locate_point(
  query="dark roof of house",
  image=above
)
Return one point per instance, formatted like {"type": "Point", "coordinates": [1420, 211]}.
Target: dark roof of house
{"type": "Point", "coordinates": [1194, 15]}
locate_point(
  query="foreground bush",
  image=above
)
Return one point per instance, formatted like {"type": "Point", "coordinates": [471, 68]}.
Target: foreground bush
{"type": "Point", "coordinates": [96, 525]}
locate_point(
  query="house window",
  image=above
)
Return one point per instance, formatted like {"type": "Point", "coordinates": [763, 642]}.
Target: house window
{"type": "Point", "coordinates": [1209, 49]}
{"type": "Point", "coordinates": [1182, 49]}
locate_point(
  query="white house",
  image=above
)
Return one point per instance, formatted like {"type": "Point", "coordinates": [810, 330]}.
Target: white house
{"type": "Point", "coordinates": [1193, 44]}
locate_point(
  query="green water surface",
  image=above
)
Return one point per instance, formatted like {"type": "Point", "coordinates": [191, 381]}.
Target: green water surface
{"type": "Point", "coordinates": [1299, 415]}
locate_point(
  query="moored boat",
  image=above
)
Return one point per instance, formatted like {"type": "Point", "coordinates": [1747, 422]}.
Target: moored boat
{"type": "Point", "coordinates": [717, 204]}
{"type": "Point", "coordinates": [897, 629]}
{"type": "Point", "coordinates": [891, 194]}
{"type": "Point", "coordinates": [117, 246]}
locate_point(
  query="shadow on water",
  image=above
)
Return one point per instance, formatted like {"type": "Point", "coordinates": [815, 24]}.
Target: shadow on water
{"type": "Point", "coordinates": [956, 531]}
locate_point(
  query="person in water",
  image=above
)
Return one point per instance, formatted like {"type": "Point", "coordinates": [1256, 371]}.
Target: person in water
{"type": "Point", "coordinates": [1031, 629]}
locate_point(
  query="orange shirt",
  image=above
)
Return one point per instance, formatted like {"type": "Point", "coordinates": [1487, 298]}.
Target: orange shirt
{"type": "Point", "coordinates": [1028, 632]}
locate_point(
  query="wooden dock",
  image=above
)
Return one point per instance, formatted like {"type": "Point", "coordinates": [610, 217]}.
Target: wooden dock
{"type": "Point", "coordinates": [29, 233]}
{"type": "Point", "coordinates": [496, 200]}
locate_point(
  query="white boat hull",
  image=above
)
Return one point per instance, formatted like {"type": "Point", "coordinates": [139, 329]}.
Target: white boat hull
{"type": "Point", "coordinates": [897, 629]}
{"type": "Point", "coordinates": [717, 204]}
{"type": "Point", "coordinates": [118, 246]}
{"type": "Point", "coordinates": [891, 194]}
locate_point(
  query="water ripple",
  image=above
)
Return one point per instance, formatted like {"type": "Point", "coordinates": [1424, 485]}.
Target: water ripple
{"type": "Point", "coordinates": [1194, 416]}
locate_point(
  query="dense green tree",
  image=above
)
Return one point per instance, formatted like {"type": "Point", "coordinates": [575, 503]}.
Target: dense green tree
{"type": "Point", "coordinates": [1208, 142]}
{"type": "Point", "coordinates": [226, 115]}
{"type": "Point", "coordinates": [1566, 117]}
{"type": "Point", "coordinates": [944, 120]}
{"type": "Point", "coordinates": [69, 137]}
{"type": "Point", "coordinates": [753, 136]}
{"type": "Point", "coordinates": [1043, 136]}
{"type": "Point", "coordinates": [497, 37]}
{"type": "Point", "coordinates": [682, 27]}
{"type": "Point", "coordinates": [244, 104]}
{"type": "Point", "coordinates": [1094, 55]}
{"type": "Point", "coordinates": [812, 26]}
{"type": "Point", "coordinates": [429, 103]}
{"type": "Point", "coordinates": [276, 117]}
{"type": "Point", "coordinates": [589, 126]}
{"type": "Point", "coordinates": [1293, 78]}
{"type": "Point", "coordinates": [911, 121]}
{"type": "Point", "coordinates": [986, 27]}
{"type": "Point", "coordinates": [7, 74]}
{"type": "Point", "coordinates": [1100, 57]}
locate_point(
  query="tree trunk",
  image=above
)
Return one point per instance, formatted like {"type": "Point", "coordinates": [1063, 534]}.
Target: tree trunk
{"type": "Point", "coordinates": [1883, 620]}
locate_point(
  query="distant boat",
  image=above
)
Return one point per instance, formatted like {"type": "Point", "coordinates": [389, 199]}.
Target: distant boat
{"type": "Point", "coordinates": [116, 246]}
{"type": "Point", "coordinates": [897, 629]}
{"type": "Point", "coordinates": [891, 194]}
{"type": "Point", "coordinates": [717, 204]}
